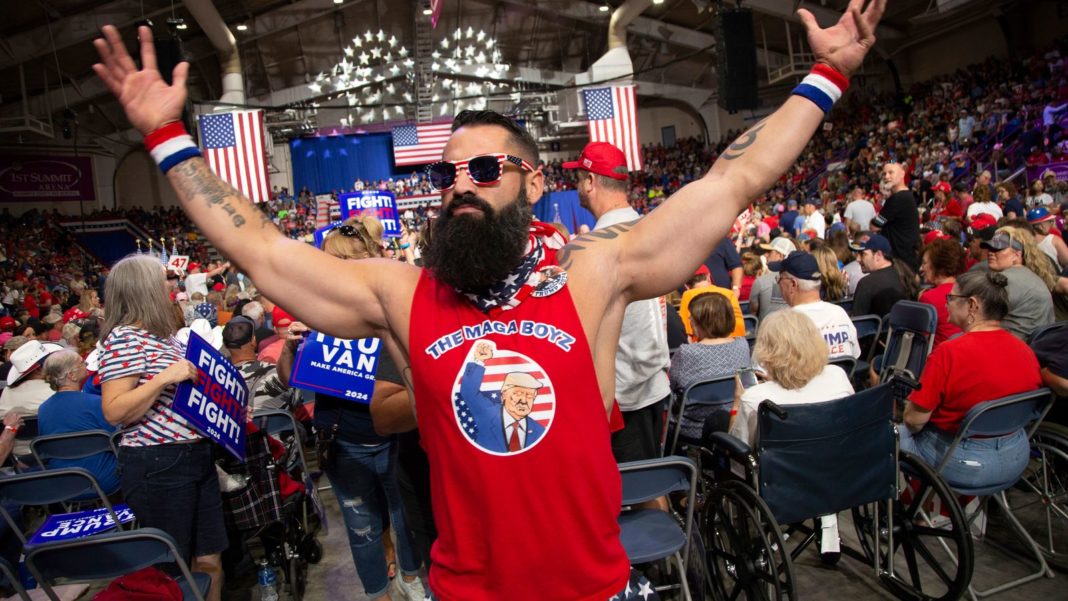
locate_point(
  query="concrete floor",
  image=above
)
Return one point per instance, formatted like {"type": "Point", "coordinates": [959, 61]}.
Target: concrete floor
{"type": "Point", "coordinates": [335, 579]}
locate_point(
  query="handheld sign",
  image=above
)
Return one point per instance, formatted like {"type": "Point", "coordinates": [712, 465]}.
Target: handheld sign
{"type": "Point", "coordinates": [320, 234]}
{"type": "Point", "coordinates": [68, 526]}
{"type": "Point", "coordinates": [179, 262]}
{"type": "Point", "coordinates": [338, 367]}
{"type": "Point", "coordinates": [379, 203]}
{"type": "Point", "coordinates": [215, 403]}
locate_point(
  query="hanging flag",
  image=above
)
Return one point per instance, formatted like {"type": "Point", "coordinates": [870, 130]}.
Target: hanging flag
{"type": "Point", "coordinates": [234, 148]}
{"type": "Point", "coordinates": [419, 144]}
{"type": "Point", "coordinates": [435, 12]}
{"type": "Point", "coordinates": [613, 117]}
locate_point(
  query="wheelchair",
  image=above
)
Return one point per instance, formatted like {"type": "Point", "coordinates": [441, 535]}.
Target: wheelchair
{"type": "Point", "coordinates": [820, 459]}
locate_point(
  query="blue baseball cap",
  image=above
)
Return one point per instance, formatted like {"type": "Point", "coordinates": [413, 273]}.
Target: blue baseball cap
{"type": "Point", "coordinates": [1038, 215]}
{"type": "Point", "coordinates": [874, 242]}
{"type": "Point", "coordinates": [798, 264]}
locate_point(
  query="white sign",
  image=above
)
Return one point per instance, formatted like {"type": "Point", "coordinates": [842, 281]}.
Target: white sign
{"type": "Point", "coordinates": [179, 262]}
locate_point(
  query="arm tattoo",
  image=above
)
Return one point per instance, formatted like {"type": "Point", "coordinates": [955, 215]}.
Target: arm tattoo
{"type": "Point", "coordinates": [739, 146]}
{"type": "Point", "coordinates": [199, 182]}
{"type": "Point", "coordinates": [563, 256]}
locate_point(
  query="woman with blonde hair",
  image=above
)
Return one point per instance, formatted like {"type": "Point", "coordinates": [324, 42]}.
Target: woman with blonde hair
{"type": "Point", "coordinates": [1031, 280]}
{"type": "Point", "coordinates": [167, 471]}
{"type": "Point", "coordinates": [833, 283]}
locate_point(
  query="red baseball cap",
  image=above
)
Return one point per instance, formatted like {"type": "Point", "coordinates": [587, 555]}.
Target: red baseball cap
{"type": "Point", "coordinates": [933, 235]}
{"type": "Point", "coordinates": [983, 221]}
{"type": "Point", "coordinates": [280, 318]}
{"type": "Point", "coordinates": [702, 270]}
{"type": "Point", "coordinates": [942, 187]}
{"type": "Point", "coordinates": [601, 158]}
{"type": "Point", "coordinates": [7, 323]}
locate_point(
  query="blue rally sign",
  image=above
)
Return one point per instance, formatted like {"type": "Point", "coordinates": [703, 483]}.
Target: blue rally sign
{"type": "Point", "coordinates": [379, 203]}
{"type": "Point", "coordinates": [338, 367]}
{"type": "Point", "coordinates": [68, 526]}
{"type": "Point", "coordinates": [215, 403]}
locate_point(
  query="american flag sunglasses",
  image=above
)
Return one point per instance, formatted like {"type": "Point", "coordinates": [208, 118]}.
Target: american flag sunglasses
{"type": "Point", "coordinates": [484, 170]}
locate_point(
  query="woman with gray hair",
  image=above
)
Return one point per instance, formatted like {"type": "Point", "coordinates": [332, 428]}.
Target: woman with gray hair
{"type": "Point", "coordinates": [71, 410]}
{"type": "Point", "coordinates": [168, 476]}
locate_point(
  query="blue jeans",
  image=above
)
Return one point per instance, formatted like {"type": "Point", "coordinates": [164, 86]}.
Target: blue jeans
{"type": "Point", "coordinates": [365, 484]}
{"type": "Point", "coordinates": [976, 462]}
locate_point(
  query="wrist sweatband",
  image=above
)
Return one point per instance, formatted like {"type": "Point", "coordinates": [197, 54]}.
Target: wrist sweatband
{"type": "Point", "coordinates": [170, 145]}
{"type": "Point", "coordinates": [824, 85]}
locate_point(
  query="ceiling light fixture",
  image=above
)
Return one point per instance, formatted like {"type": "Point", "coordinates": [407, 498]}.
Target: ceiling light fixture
{"type": "Point", "coordinates": [242, 27]}
{"type": "Point", "coordinates": [340, 1]}
{"type": "Point", "coordinates": [603, 8]}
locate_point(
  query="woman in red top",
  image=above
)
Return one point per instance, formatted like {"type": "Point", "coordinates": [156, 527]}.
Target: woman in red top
{"type": "Point", "coordinates": [985, 363]}
{"type": "Point", "coordinates": [943, 261]}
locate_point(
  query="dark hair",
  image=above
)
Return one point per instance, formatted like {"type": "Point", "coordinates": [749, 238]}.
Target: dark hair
{"type": "Point", "coordinates": [988, 287]}
{"type": "Point", "coordinates": [609, 183]}
{"type": "Point", "coordinates": [946, 257]}
{"type": "Point", "coordinates": [713, 313]}
{"type": "Point", "coordinates": [520, 136]}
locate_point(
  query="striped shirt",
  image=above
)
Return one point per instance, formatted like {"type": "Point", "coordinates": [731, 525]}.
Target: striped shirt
{"type": "Point", "coordinates": [130, 351]}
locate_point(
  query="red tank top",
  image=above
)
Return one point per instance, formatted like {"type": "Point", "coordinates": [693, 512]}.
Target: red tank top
{"type": "Point", "coordinates": [525, 490]}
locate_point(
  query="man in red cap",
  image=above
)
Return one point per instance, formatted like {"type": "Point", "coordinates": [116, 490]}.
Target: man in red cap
{"type": "Point", "coordinates": [281, 322]}
{"type": "Point", "coordinates": [491, 273]}
{"type": "Point", "coordinates": [642, 358]}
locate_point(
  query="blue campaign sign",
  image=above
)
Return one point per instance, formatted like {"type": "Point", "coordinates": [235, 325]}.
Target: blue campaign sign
{"type": "Point", "coordinates": [380, 203]}
{"type": "Point", "coordinates": [67, 526]}
{"type": "Point", "coordinates": [338, 367]}
{"type": "Point", "coordinates": [215, 403]}
{"type": "Point", "coordinates": [320, 233]}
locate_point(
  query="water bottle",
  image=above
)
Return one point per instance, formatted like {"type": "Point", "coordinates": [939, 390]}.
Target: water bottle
{"type": "Point", "coordinates": [268, 582]}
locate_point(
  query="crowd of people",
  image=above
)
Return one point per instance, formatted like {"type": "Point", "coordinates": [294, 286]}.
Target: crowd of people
{"type": "Point", "coordinates": [896, 198]}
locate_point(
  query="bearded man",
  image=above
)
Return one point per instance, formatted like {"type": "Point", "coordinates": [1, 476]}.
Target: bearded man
{"type": "Point", "coordinates": [552, 311]}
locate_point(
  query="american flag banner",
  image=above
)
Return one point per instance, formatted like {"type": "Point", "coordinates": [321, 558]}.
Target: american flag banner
{"type": "Point", "coordinates": [435, 12]}
{"type": "Point", "coordinates": [613, 117]}
{"type": "Point", "coordinates": [234, 146]}
{"type": "Point", "coordinates": [420, 144]}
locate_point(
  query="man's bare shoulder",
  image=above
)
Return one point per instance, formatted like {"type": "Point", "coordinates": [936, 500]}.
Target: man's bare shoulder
{"type": "Point", "coordinates": [593, 249]}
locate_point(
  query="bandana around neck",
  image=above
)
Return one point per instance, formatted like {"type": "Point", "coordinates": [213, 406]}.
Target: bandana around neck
{"type": "Point", "coordinates": [514, 289]}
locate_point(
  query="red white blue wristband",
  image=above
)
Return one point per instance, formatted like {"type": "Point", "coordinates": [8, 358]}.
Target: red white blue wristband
{"type": "Point", "coordinates": [170, 145]}
{"type": "Point", "coordinates": [824, 85]}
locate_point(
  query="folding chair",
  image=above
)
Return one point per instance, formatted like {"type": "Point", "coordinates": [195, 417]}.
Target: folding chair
{"type": "Point", "coordinates": [12, 577]}
{"type": "Point", "coordinates": [72, 446]}
{"type": "Point", "coordinates": [869, 329]}
{"type": "Point", "coordinates": [109, 555]}
{"type": "Point", "coordinates": [27, 432]}
{"type": "Point", "coordinates": [277, 422]}
{"type": "Point", "coordinates": [703, 398]}
{"type": "Point", "coordinates": [999, 417]}
{"type": "Point", "coordinates": [46, 487]}
{"type": "Point", "coordinates": [910, 338]}
{"type": "Point", "coordinates": [744, 305]}
{"type": "Point", "coordinates": [1044, 330]}
{"type": "Point", "coordinates": [752, 322]}
{"type": "Point", "coordinates": [651, 534]}
{"type": "Point", "coordinates": [847, 363]}
{"type": "Point", "coordinates": [845, 303]}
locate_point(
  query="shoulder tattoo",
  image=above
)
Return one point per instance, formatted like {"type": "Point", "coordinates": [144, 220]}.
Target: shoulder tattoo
{"type": "Point", "coordinates": [564, 256]}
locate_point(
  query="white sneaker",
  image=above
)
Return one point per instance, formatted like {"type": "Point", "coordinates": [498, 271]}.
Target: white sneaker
{"type": "Point", "coordinates": [412, 591]}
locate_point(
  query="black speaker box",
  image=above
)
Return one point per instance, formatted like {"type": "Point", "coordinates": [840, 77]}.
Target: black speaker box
{"type": "Point", "coordinates": [737, 59]}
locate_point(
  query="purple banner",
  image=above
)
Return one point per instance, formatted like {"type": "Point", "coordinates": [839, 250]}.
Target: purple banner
{"type": "Point", "coordinates": [39, 178]}
{"type": "Point", "coordinates": [1059, 169]}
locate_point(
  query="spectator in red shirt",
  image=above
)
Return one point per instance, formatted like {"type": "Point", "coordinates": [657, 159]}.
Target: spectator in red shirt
{"type": "Point", "coordinates": [942, 262]}
{"type": "Point", "coordinates": [985, 363]}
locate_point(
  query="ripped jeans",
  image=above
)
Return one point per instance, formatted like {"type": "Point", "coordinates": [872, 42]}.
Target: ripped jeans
{"type": "Point", "coordinates": [365, 484]}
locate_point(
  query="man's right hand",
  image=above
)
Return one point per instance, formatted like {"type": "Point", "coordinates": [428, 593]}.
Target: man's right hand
{"type": "Point", "coordinates": [483, 351]}
{"type": "Point", "coordinates": [148, 101]}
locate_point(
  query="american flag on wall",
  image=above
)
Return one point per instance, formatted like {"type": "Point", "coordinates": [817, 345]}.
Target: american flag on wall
{"type": "Point", "coordinates": [613, 117]}
{"type": "Point", "coordinates": [419, 144]}
{"type": "Point", "coordinates": [234, 145]}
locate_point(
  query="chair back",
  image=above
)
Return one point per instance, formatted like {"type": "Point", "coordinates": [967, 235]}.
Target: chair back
{"type": "Point", "coordinates": [910, 337]}
{"type": "Point", "coordinates": [72, 445]}
{"type": "Point", "coordinates": [104, 556]}
{"type": "Point", "coordinates": [844, 303]}
{"type": "Point", "coordinates": [275, 421]}
{"type": "Point", "coordinates": [752, 322]}
{"type": "Point", "coordinates": [868, 326]}
{"type": "Point", "coordinates": [1003, 416]}
{"type": "Point", "coordinates": [744, 306]}
{"type": "Point", "coordinates": [28, 430]}
{"type": "Point", "coordinates": [820, 458]}
{"type": "Point", "coordinates": [46, 487]}
{"type": "Point", "coordinates": [847, 363]}
{"type": "Point", "coordinates": [649, 479]}
{"type": "Point", "coordinates": [1042, 331]}
{"type": "Point", "coordinates": [704, 396]}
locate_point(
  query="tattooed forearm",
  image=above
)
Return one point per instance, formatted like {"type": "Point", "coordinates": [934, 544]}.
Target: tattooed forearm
{"type": "Point", "coordinates": [195, 180]}
{"type": "Point", "coordinates": [563, 256]}
{"type": "Point", "coordinates": [747, 139]}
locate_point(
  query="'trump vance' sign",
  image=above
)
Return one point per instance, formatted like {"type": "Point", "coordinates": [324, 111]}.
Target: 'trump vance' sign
{"type": "Point", "coordinates": [215, 403]}
{"type": "Point", "coordinates": [338, 367]}
{"type": "Point", "coordinates": [379, 203]}
{"type": "Point", "coordinates": [67, 526]}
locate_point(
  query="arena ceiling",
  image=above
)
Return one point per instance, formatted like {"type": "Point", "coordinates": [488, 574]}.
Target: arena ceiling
{"type": "Point", "coordinates": [46, 45]}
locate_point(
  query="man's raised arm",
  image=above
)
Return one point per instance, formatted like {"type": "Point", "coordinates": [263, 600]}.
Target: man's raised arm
{"type": "Point", "coordinates": [339, 297]}
{"type": "Point", "coordinates": [663, 249]}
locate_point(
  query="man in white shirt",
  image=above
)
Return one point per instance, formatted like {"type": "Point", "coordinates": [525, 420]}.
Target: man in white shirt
{"type": "Point", "coordinates": [799, 279]}
{"type": "Point", "coordinates": [642, 359]}
{"type": "Point", "coordinates": [197, 280]}
{"type": "Point", "coordinates": [860, 211]}
{"type": "Point", "coordinates": [814, 219]}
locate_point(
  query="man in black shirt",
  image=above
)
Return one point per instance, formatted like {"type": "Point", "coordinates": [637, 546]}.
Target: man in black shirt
{"type": "Point", "coordinates": [899, 221]}
{"type": "Point", "coordinates": [725, 266]}
{"type": "Point", "coordinates": [882, 287]}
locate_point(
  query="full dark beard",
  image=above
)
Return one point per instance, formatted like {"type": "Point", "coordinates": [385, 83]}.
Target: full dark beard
{"type": "Point", "coordinates": [472, 252]}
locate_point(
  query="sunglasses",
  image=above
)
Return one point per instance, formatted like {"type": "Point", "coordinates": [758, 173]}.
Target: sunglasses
{"type": "Point", "coordinates": [484, 170]}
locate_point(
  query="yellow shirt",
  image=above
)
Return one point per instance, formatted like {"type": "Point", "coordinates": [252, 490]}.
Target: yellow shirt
{"type": "Point", "coordinates": [689, 295]}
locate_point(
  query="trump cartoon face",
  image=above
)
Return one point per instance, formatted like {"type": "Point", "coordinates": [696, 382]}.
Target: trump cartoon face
{"type": "Point", "coordinates": [519, 401]}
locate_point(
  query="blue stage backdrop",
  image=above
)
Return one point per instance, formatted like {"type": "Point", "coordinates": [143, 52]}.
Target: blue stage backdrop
{"type": "Point", "coordinates": [329, 163]}
{"type": "Point", "coordinates": [572, 214]}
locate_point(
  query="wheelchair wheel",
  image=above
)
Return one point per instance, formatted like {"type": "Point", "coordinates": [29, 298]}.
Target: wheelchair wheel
{"type": "Point", "coordinates": [1040, 498]}
{"type": "Point", "coordinates": [746, 556]}
{"type": "Point", "coordinates": [932, 554]}
{"type": "Point", "coordinates": [296, 577]}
